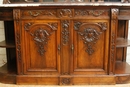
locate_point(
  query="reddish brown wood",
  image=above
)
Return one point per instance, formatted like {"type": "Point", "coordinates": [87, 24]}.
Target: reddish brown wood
{"type": "Point", "coordinates": [68, 45]}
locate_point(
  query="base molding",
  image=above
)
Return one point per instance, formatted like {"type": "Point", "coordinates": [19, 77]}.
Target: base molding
{"type": "Point", "coordinates": [67, 80]}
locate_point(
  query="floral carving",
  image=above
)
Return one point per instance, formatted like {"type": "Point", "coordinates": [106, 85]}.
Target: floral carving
{"type": "Point", "coordinates": [113, 46]}
{"type": "Point", "coordinates": [65, 81]}
{"type": "Point", "coordinates": [18, 46]}
{"type": "Point", "coordinates": [41, 36]}
{"type": "Point", "coordinates": [103, 25]}
{"type": "Point", "coordinates": [27, 25]}
{"type": "Point", "coordinates": [53, 26]}
{"type": "Point", "coordinates": [36, 13]}
{"type": "Point", "coordinates": [65, 13]}
{"type": "Point", "coordinates": [65, 32]}
{"type": "Point", "coordinates": [83, 12]}
{"type": "Point", "coordinates": [96, 13]}
{"type": "Point", "coordinates": [89, 34]}
{"type": "Point", "coordinates": [16, 15]}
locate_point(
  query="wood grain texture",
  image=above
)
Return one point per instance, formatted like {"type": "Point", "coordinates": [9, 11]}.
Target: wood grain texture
{"type": "Point", "coordinates": [76, 45]}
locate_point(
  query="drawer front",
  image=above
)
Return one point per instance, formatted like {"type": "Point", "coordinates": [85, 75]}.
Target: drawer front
{"type": "Point", "coordinates": [6, 15]}
{"type": "Point", "coordinates": [92, 13]}
{"type": "Point", "coordinates": [38, 14]}
{"type": "Point", "coordinates": [66, 13]}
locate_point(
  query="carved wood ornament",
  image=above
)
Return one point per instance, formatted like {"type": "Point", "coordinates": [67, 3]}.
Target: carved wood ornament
{"type": "Point", "coordinates": [65, 13]}
{"type": "Point", "coordinates": [41, 35]}
{"type": "Point", "coordinates": [36, 13]}
{"type": "Point", "coordinates": [65, 32]}
{"type": "Point", "coordinates": [65, 81]}
{"type": "Point", "coordinates": [114, 21]}
{"type": "Point", "coordinates": [18, 34]}
{"type": "Point", "coordinates": [90, 33]}
{"type": "Point", "coordinates": [95, 13]}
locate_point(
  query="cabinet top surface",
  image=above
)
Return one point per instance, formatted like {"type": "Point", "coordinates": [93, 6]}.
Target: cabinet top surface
{"type": "Point", "coordinates": [110, 4]}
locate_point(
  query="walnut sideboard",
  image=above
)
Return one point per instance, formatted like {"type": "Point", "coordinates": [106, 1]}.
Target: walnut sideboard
{"type": "Point", "coordinates": [65, 43]}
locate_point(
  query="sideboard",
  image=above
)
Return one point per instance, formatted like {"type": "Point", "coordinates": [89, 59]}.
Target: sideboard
{"type": "Point", "coordinates": [75, 43]}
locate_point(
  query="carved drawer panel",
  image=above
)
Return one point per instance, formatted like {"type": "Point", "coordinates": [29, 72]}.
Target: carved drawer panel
{"type": "Point", "coordinates": [6, 15]}
{"type": "Point", "coordinates": [92, 13]}
{"type": "Point", "coordinates": [65, 13]}
{"type": "Point", "coordinates": [38, 14]}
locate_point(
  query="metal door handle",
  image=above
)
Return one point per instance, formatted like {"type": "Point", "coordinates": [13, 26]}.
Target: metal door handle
{"type": "Point", "coordinates": [72, 48]}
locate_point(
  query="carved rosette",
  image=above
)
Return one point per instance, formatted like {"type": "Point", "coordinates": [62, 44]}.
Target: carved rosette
{"type": "Point", "coordinates": [65, 32]}
{"type": "Point", "coordinates": [41, 35]}
{"type": "Point", "coordinates": [95, 13]}
{"type": "Point", "coordinates": [65, 81]}
{"type": "Point", "coordinates": [65, 13]}
{"type": "Point", "coordinates": [89, 34]}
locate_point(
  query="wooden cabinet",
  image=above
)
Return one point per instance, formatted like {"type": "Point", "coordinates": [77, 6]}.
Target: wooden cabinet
{"type": "Point", "coordinates": [62, 44]}
{"type": "Point", "coordinates": [66, 44]}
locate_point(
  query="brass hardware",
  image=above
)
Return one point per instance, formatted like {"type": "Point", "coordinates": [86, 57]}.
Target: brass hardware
{"type": "Point", "coordinates": [59, 49]}
{"type": "Point", "coordinates": [72, 47]}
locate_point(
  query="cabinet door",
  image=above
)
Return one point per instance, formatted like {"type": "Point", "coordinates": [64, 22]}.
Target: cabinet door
{"type": "Point", "coordinates": [91, 43]}
{"type": "Point", "coordinates": [41, 43]}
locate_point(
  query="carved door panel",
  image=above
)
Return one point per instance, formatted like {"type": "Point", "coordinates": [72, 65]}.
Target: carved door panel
{"type": "Point", "coordinates": [41, 41]}
{"type": "Point", "coordinates": [91, 43]}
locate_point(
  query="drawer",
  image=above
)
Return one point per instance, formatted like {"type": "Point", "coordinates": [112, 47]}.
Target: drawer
{"type": "Point", "coordinates": [66, 13]}
{"type": "Point", "coordinates": [6, 15]}
{"type": "Point", "coordinates": [39, 14]}
{"type": "Point", "coordinates": [92, 13]}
